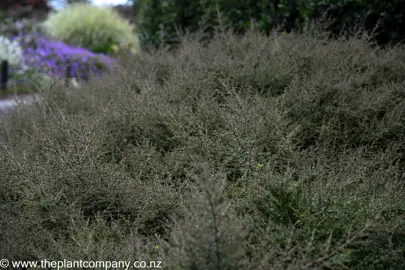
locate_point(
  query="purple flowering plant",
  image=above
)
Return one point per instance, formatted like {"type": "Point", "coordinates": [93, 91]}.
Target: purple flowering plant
{"type": "Point", "coordinates": [55, 58]}
{"type": "Point", "coordinates": [45, 58]}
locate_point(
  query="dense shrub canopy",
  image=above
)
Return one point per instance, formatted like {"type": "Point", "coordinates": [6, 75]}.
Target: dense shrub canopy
{"type": "Point", "coordinates": [254, 151]}
{"type": "Point", "coordinates": [250, 152]}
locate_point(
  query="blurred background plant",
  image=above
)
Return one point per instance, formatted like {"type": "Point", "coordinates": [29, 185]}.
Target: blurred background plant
{"type": "Point", "coordinates": [43, 57]}
{"type": "Point", "coordinates": [10, 51]}
{"type": "Point", "coordinates": [161, 19]}
{"type": "Point", "coordinates": [54, 57]}
{"type": "Point", "coordinates": [99, 29]}
{"type": "Point", "coordinates": [19, 72]}
{"type": "Point", "coordinates": [63, 3]}
{"type": "Point", "coordinates": [22, 16]}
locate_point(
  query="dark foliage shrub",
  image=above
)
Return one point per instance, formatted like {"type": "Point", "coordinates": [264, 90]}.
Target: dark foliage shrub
{"type": "Point", "coordinates": [126, 11]}
{"type": "Point", "coordinates": [15, 4]}
{"type": "Point", "coordinates": [21, 16]}
{"type": "Point", "coordinates": [384, 19]}
{"type": "Point", "coordinates": [251, 152]}
{"type": "Point", "coordinates": [161, 19]}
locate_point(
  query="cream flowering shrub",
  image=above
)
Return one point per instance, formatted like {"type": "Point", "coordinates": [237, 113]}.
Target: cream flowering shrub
{"type": "Point", "coordinates": [99, 29]}
{"type": "Point", "coordinates": [10, 51]}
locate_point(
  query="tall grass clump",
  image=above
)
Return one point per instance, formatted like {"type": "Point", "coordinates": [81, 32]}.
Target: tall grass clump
{"type": "Point", "coordinates": [99, 29]}
{"type": "Point", "coordinates": [251, 152]}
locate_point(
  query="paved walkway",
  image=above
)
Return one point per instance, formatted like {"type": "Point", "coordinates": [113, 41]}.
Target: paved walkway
{"type": "Point", "coordinates": [8, 103]}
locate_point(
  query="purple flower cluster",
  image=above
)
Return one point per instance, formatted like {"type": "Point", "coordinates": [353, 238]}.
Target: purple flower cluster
{"type": "Point", "coordinates": [56, 58]}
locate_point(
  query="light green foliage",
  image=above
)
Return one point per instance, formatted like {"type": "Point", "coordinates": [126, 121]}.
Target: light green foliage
{"type": "Point", "coordinates": [99, 29]}
{"type": "Point", "coordinates": [10, 51]}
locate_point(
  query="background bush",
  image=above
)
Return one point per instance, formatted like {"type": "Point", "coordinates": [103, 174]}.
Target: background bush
{"type": "Point", "coordinates": [10, 51]}
{"type": "Point", "coordinates": [160, 18]}
{"type": "Point", "coordinates": [98, 29]}
{"type": "Point", "coordinates": [53, 58]}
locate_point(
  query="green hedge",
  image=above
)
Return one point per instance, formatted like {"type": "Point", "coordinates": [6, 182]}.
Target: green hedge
{"type": "Point", "coordinates": [160, 18]}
